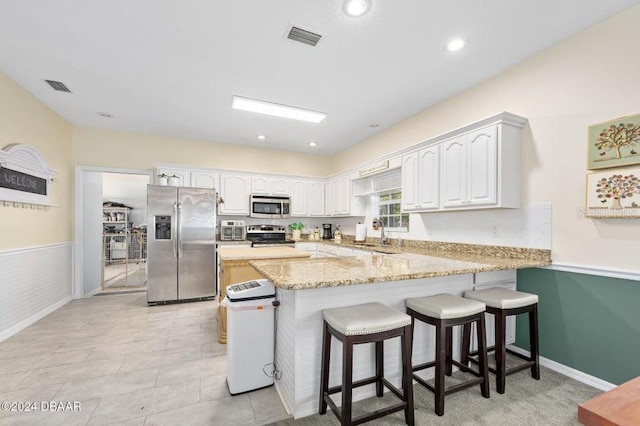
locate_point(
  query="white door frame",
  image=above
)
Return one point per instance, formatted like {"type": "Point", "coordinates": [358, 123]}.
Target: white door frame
{"type": "Point", "coordinates": [78, 234]}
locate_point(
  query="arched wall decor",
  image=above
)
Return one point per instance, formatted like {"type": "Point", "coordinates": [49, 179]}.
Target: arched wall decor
{"type": "Point", "coordinates": [25, 176]}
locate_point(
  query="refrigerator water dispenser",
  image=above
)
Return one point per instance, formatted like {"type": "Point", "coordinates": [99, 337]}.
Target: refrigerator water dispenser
{"type": "Point", "coordinates": [163, 228]}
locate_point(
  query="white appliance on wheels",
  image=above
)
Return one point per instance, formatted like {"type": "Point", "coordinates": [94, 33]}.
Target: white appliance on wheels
{"type": "Point", "coordinates": [250, 335]}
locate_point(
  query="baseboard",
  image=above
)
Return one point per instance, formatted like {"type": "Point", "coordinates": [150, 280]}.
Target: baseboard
{"type": "Point", "coordinates": [286, 406]}
{"type": "Point", "coordinates": [33, 319]}
{"type": "Point", "coordinates": [93, 292]}
{"type": "Point", "coordinates": [569, 372]}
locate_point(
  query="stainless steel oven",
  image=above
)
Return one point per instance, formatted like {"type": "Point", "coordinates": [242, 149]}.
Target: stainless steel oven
{"type": "Point", "coordinates": [268, 236]}
{"type": "Point", "coordinates": [232, 230]}
{"type": "Point", "coordinates": [270, 206]}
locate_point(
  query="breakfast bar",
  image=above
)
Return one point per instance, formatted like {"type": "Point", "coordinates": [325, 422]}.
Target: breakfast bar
{"type": "Point", "coordinates": [305, 287]}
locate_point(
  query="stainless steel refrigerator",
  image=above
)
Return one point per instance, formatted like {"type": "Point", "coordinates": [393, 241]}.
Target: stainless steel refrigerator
{"type": "Point", "coordinates": [181, 230]}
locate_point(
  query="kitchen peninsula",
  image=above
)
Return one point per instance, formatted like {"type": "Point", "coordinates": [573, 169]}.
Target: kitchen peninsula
{"type": "Point", "coordinates": [307, 286]}
{"type": "Point", "coordinates": [235, 268]}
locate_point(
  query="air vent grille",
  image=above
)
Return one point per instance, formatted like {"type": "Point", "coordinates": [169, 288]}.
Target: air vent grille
{"type": "Point", "coordinates": [304, 36]}
{"type": "Point", "coordinates": [58, 85]}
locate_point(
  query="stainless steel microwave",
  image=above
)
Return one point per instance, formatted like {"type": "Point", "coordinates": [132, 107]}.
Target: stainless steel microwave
{"type": "Point", "coordinates": [270, 206]}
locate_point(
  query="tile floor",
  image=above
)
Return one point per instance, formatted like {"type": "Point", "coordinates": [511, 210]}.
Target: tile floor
{"type": "Point", "coordinates": [127, 364]}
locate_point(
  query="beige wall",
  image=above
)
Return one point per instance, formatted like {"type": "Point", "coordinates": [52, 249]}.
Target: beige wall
{"type": "Point", "coordinates": [590, 78]}
{"type": "Point", "coordinates": [26, 120]}
{"type": "Point", "coordinates": [110, 148]}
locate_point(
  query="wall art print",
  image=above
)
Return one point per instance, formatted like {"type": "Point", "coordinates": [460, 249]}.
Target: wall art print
{"type": "Point", "coordinates": [614, 143]}
{"type": "Point", "coordinates": [614, 193]}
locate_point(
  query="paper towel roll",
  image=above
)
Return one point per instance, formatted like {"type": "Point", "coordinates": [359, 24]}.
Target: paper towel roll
{"type": "Point", "coordinates": [361, 232]}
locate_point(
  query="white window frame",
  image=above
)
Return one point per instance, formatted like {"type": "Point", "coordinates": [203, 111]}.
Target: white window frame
{"type": "Point", "coordinates": [375, 210]}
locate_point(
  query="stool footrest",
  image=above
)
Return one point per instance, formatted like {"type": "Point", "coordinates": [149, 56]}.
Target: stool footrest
{"type": "Point", "coordinates": [336, 389]}
{"type": "Point", "coordinates": [423, 366]}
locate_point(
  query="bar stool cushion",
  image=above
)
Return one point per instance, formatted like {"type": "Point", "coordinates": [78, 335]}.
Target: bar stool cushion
{"type": "Point", "coordinates": [445, 306]}
{"type": "Point", "coordinates": [502, 298]}
{"type": "Point", "coordinates": [364, 319]}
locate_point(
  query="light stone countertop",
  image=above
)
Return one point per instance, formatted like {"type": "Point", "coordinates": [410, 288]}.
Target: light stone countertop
{"type": "Point", "coordinates": [410, 263]}
{"type": "Point", "coordinates": [245, 253]}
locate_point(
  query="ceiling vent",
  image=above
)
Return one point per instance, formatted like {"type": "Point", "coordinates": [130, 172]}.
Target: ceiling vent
{"type": "Point", "coordinates": [58, 85]}
{"type": "Point", "coordinates": [303, 36]}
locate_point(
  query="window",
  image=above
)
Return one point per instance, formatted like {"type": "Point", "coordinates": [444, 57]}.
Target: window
{"type": "Point", "coordinates": [389, 211]}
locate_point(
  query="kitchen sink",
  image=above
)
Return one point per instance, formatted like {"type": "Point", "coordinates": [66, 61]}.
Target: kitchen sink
{"type": "Point", "coordinates": [365, 244]}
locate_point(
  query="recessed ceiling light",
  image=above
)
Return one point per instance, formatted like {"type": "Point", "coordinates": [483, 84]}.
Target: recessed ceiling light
{"type": "Point", "coordinates": [456, 44]}
{"type": "Point", "coordinates": [356, 8]}
{"type": "Point", "coordinates": [262, 137]}
{"type": "Point", "coordinates": [313, 144]}
{"type": "Point", "coordinates": [105, 114]}
{"type": "Point", "coordinates": [278, 110]}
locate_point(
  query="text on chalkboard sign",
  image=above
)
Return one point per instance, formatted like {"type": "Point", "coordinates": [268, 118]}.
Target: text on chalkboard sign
{"type": "Point", "coordinates": [12, 179]}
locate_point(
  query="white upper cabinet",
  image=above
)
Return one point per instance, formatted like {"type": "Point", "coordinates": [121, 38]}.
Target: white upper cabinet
{"type": "Point", "coordinates": [420, 179]}
{"type": "Point", "coordinates": [183, 175]}
{"type": "Point", "coordinates": [268, 185]}
{"type": "Point", "coordinates": [476, 166]}
{"type": "Point", "coordinates": [315, 200]}
{"type": "Point", "coordinates": [339, 202]}
{"type": "Point", "coordinates": [454, 172]}
{"type": "Point", "coordinates": [299, 198]}
{"type": "Point", "coordinates": [235, 190]}
{"type": "Point", "coordinates": [204, 179]}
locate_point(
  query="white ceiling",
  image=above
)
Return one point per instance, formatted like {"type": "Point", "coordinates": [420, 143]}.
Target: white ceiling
{"type": "Point", "coordinates": [171, 67]}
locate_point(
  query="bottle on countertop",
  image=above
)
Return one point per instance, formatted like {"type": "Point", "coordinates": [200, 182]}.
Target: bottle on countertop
{"type": "Point", "coordinates": [337, 236]}
{"type": "Point", "coordinates": [316, 234]}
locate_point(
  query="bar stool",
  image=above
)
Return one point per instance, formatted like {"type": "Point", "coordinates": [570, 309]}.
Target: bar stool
{"type": "Point", "coordinates": [444, 311]}
{"type": "Point", "coordinates": [367, 323]}
{"type": "Point", "coordinates": [502, 302]}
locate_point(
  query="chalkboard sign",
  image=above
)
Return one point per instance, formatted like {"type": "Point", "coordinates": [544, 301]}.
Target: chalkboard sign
{"type": "Point", "coordinates": [23, 182]}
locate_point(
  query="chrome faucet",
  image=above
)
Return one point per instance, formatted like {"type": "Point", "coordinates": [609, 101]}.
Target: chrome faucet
{"type": "Point", "coordinates": [383, 238]}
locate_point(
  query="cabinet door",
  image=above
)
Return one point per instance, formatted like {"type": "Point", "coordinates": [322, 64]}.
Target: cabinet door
{"type": "Point", "coordinates": [328, 198]}
{"type": "Point", "coordinates": [315, 201]}
{"type": "Point", "coordinates": [483, 160]}
{"type": "Point", "coordinates": [344, 195]}
{"type": "Point", "coordinates": [454, 172]}
{"type": "Point", "coordinates": [280, 186]}
{"type": "Point", "coordinates": [235, 191]}
{"type": "Point", "coordinates": [183, 175]}
{"type": "Point", "coordinates": [202, 179]}
{"type": "Point", "coordinates": [298, 198]}
{"type": "Point", "coordinates": [429, 166]}
{"type": "Point", "coordinates": [260, 185]}
{"type": "Point", "coordinates": [410, 181]}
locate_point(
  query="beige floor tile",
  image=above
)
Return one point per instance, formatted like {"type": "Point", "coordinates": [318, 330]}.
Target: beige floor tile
{"type": "Point", "coordinates": [190, 370]}
{"type": "Point", "coordinates": [36, 395]}
{"type": "Point", "coordinates": [267, 405]}
{"type": "Point", "coordinates": [128, 328]}
{"type": "Point", "coordinates": [16, 364]}
{"type": "Point", "coordinates": [11, 380]}
{"type": "Point", "coordinates": [214, 387]}
{"type": "Point", "coordinates": [213, 349]}
{"type": "Point", "coordinates": [31, 347]}
{"type": "Point", "coordinates": [136, 404]}
{"type": "Point", "coordinates": [191, 339]}
{"type": "Point", "coordinates": [138, 347]}
{"type": "Point", "coordinates": [55, 418]}
{"type": "Point", "coordinates": [93, 341]}
{"type": "Point", "coordinates": [221, 412]}
{"type": "Point", "coordinates": [209, 326]}
{"type": "Point", "coordinates": [190, 320]}
{"type": "Point", "coordinates": [115, 384]}
{"type": "Point", "coordinates": [138, 421]}
{"type": "Point", "coordinates": [168, 332]}
{"type": "Point", "coordinates": [157, 359]}
{"type": "Point", "coordinates": [70, 372]}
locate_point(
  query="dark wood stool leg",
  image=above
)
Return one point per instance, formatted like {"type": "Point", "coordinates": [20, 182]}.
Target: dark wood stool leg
{"type": "Point", "coordinates": [466, 344]}
{"type": "Point", "coordinates": [347, 381]}
{"type": "Point", "coordinates": [407, 380]}
{"type": "Point", "coordinates": [324, 369]}
{"type": "Point", "coordinates": [441, 354]}
{"type": "Point", "coordinates": [482, 355]}
{"type": "Point", "coordinates": [379, 367]}
{"type": "Point", "coordinates": [449, 341]}
{"type": "Point", "coordinates": [533, 342]}
{"type": "Point", "coordinates": [501, 353]}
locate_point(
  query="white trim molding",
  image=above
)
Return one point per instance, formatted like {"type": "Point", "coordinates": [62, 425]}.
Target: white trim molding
{"type": "Point", "coordinates": [601, 271]}
{"type": "Point", "coordinates": [569, 372]}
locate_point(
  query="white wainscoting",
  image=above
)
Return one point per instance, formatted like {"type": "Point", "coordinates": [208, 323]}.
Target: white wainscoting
{"type": "Point", "coordinates": [34, 282]}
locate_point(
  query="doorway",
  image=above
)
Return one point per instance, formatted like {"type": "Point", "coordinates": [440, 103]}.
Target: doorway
{"type": "Point", "coordinates": [95, 186]}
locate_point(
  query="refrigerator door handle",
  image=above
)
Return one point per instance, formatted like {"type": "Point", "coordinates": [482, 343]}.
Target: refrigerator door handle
{"type": "Point", "coordinates": [174, 236]}
{"type": "Point", "coordinates": [179, 229]}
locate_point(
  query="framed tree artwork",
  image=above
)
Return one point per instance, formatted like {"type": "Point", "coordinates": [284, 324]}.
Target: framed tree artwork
{"type": "Point", "coordinates": [614, 193]}
{"type": "Point", "coordinates": [614, 143]}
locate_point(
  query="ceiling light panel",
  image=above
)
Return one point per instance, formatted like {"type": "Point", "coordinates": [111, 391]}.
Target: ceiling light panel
{"type": "Point", "coordinates": [277, 110]}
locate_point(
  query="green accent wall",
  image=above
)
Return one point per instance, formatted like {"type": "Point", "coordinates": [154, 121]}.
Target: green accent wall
{"type": "Point", "coordinates": [586, 322]}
